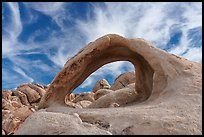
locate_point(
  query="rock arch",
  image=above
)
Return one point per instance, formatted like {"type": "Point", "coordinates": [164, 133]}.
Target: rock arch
{"type": "Point", "coordinates": [151, 77]}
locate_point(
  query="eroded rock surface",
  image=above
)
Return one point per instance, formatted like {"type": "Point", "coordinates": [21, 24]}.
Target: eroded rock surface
{"type": "Point", "coordinates": [123, 80]}
{"type": "Point", "coordinates": [84, 96]}
{"type": "Point", "coordinates": [16, 106]}
{"type": "Point", "coordinates": [101, 92]}
{"type": "Point", "coordinates": [166, 97]}
{"type": "Point", "coordinates": [101, 84]}
{"type": "Point", "coordinates": [49, 123]}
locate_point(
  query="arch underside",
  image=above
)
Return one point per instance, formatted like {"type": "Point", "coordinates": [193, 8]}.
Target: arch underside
{"type": "Point", "coordinates": [107, 49]}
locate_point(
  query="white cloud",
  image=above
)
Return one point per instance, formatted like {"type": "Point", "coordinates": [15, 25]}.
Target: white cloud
{"type": "Point", "coordinates": [13, 29]}
{"type": "Point", "coordinates": [15, 26]}
{"type": "Point", "coordinates": [15, 77]}
{"type": "Point", "coordinates": [21, 72]}
{"type": "Point", "coordinates": [56, 10]}
{"type": "Point", "coordinates": [48, 8]}
{"type": "Point", "coordinates": [151, 21]}
{"type": "Point", "coordinates": [194, 54]}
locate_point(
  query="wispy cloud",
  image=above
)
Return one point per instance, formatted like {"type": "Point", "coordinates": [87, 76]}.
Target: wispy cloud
{"type": "Point", "coordinates": [56, 10]}
{"type": "Point", "coordinates": [151, 21]}
{"type": "Point", "coordinates": [13, 29]}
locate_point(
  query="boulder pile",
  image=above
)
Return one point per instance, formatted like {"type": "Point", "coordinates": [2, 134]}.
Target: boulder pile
{"type": "Point", "coordinates": [18, 104]}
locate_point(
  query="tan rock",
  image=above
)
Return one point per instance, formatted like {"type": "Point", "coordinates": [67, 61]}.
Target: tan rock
{"type": "Point", "coordinates": [40, 86]}
{"type": "Point", "coordinates": [121, 97]}
{"type": "Point", "coordinates": [72, 105]}
{"type": "Point", "coordinates": [114, 105]}
{"type": "Point", "coordinates": [106, 49]}
{"type": "Point", "coordinates": [70, 97]}
{"type": "Point", "coordinates": [39, 89]}
{"type": "Point", "coordinates": [6, 104]}
{"type": "Point", "coordinates": [15, 98]}
{"type": "Point", "coordinates": [16, 104]}
{"type": "Point", "coordinates": [22, 97]}
{"type": "Point", "coordinates": [84, 103]}
{"type": "Point", "coordinates": [84, 96]}
{"type": "Point", "coordinates": [168, 89]}
{"type": "Point", "coordinates": [48, 123]}
{"type": "Point", "coordinates": [5, 114]}
{"type": "Point", "coordinates": [10, 125]}
{"type": "Point", "coordinates": [123, 80]}
{"type": "Point", "coordinates": [101, 92]}
{"type": "Point", "coordinates": [6, 94]}
{"type": "Point", "coordinates": [35, 105]}
{"type": "Point", "coordinates": [101, 84]}
{"type": "Point", "coordinates": [32, 95]}
{"type": "Point", "coordinates": [3, 132]}
{"type": "Point", "coordinates": [22, 113]}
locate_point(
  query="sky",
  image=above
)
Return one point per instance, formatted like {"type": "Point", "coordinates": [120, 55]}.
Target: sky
{"type": "Point", "coordinates": [39, 37]}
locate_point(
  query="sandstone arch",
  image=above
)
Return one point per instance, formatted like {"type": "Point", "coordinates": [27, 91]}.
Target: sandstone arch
{"type": "Point", "coordinates": [152, 75]}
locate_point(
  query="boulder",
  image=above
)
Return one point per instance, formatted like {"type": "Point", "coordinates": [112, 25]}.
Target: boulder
{"type": "Point", "coordinates": [5, 114]}
{"type": "Point", "coordinates": [121, 97]}
{"type": "Point", "coordinates": [22, 97]}
{"type": "Point", "coordinates": [16, 104]}
{"type": "Point", "coordinates": [123, 80]}
{"type": "Point", "coordinates": [72, 105]}
{"type": "Point", "coordinates": [48, 123]}
{"type": "Point", "coordinates": [70, 97]}
{"type": "Point", "coordinates": [84, 96]}
{"type": "Point", "coordinates": [3, 132]}
{"type": "Point", "coordinates": [101, 92]}
{"type": "Point", "coordinates": [15, 98]}
{"type": "Point", "coordinates": [33, 96]}
{"type": "Point", "coordinates": [101, 84]}
{"type": "Point", "coordinates": [22, 113]}
{"type": "Point", "coordinates": [165, 99]}
{"type": "Point", "coordinates": [10, 125]}
{"type": "Point", "coordinates": [39, 89]}
{"type": "Point", "coordinates": [84, 103]}
{"type": "Point", "coordinates": [6, 94]}
{"type": "Point", "coordinates": [6, 105]}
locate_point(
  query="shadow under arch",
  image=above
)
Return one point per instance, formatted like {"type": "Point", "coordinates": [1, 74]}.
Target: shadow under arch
{"type": "Point", "coordinates": [107, 49]}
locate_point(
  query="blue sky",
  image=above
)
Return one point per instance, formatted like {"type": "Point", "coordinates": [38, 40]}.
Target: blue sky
{"type": "Point", "coordinates": [38, 38]}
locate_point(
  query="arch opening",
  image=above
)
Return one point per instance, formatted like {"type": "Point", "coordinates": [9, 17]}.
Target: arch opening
{"type": "Point", "coordinates": [107, 49]}
{"type": "Point", "coordinates": [110, 72]}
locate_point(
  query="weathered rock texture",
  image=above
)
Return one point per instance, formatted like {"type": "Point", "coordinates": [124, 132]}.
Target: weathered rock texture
{"type": "Point", "coordinates": [101, 84]}
{"type": "Point", "coordinates": [16, 106]}
{"type": "Point", "coordinates": [165, 99]}
{"type": "Point", "coordinates": [121, 97]}
{"type": "Point", "coordinates": [123, 80]}
{"type": "Point", "coordinates": [105, 50]}
{"type": "Point", "coordinates": [84, 96]}
{"type": "Point", "coordinates": [60, 124]}
{"type": "Point", "coordinates": [101, 92]}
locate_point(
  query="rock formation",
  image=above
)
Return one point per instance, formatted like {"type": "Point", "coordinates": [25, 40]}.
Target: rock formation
{"type": "Point", "coordinates": [84, 96]}
{"type": "Point", "coordinates": [18, 104]}
{"type": "Point", "coordinates": [70, 124]}
{"type": "Point", "coordinates": [166, 97]}
{"type": "Point", "coordinates": [121, 97]}
{"type": "Point", "coordinates": [108, 49]}
{"type": "Point", "coordinates": [101, 92]}
{"type": "Point", "coordinates": [101, 84]}
{"type": "Point", "coordinates": [123, 80]}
